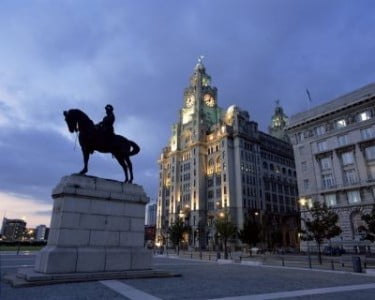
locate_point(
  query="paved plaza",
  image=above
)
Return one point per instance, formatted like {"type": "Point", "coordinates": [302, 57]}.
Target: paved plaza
{"type": "Point", "coordinates": [201, 280]}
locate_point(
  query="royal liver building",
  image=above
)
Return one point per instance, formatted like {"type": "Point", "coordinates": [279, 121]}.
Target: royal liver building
{"type": "Point", "coordinates": [217, 161]}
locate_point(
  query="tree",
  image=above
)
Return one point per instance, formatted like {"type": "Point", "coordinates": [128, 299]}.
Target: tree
{"type": "Point", "coordinates": [321, 226]}
{"type": "Point", "coordinates": [176, 233]}
{"type": "Point", "coordinates": [368, 231]}
{"type": "Point", "coordinates": [226, 229]}
{"type": "Point", "coordinates": [250, 234]}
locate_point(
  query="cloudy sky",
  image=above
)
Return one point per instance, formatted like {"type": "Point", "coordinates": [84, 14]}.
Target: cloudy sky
{"type": "Point", "coordinates": [138, 56]}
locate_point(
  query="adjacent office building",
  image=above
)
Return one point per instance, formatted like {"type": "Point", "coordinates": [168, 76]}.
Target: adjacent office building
{"type": "Point", "coordinates": [334, 150]}
{"type": "Point", "coordinates": [13, 229]}
{"type": "Point", "coordinates": [217, 161]}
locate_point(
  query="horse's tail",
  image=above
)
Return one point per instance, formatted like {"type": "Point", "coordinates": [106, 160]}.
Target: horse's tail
{"type": "Point", "coordinates": [135, 148]}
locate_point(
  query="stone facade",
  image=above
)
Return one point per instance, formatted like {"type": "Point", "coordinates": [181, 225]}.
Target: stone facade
{"type": "Point", "coordinates": [97, 225]}
{"type": "Point", "coordinates": [218, 161]}
{"type": "Point", "coordinates": [334, 150]}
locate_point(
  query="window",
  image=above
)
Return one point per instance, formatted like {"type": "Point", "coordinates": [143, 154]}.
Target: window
{"type": "Point", "coordinates": [370, 152]}
{"type": "Point", "coordinates": [364, 116]}
{"type": "Point", "coordinates": [367, 133]}
{"type": "Point", "coordinates": [320, 130]}
{"type": "Point", "coordinates": [342, 140]}
{"type": "Point", "coordinates": [305, 184]}
{"type": "Point", "coordinates": [347, 158]}
{"type": "Point", "coordinates": [371, 170]}
{"type": "Point", "coordinates": [326, 163]}
{"type": "Point", "coordinates": [350, 176]}
{"type": "Point", "coordinates": [322, 146]}
{"type": "Point", "coordinates": [353, 197]}
{"type": "Point", "coordinates": [300, 136]}
{"type": "Point", "coordinates": [303, 167]}
{"type": "Point", "coordinates": [328, 181]}
{"type": "Point", "coordinates": [341, 123]}
{"type": "Point", "coordinates": [330, 199]}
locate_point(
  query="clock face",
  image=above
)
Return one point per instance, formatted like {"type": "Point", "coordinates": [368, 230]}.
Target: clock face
{"type": "Point", "coordinates": [209, 100]}
{"type": "Point", "coordinates": [190, 100]}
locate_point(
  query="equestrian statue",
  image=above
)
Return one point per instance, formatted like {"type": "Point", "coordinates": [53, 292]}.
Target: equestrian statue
{"type": "Point", "coordinates": [101, 137]}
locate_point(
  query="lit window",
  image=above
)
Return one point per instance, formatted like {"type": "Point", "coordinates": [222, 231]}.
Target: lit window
{"type": "Point", "coordinates": [367, 133]}
{"type": "Point", "coordinates": [342, 140]}
{"type": "Point", "coordinates": [341, 123]}
{"type": "Point", "coordinates": [370, 152]}
{"type": "Point", "coordinates": [364, 116]}
{"type": "Point", "coordinates": [322, 146]}
{"type": "Point", "coordinates": [353, 197]}
{"type": "Point", "coordinates": [330, 199]}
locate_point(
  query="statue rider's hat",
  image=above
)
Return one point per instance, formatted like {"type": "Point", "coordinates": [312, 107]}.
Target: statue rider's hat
{"type": "Point", "coordinates": [109, 107]}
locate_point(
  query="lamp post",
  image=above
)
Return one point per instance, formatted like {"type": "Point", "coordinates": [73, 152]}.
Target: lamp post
{"type": "Point", "coordinates": [303, 204]}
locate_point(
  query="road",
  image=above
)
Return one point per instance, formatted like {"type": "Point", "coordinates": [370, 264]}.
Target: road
{"type": "Point", "coordinates": [201, 280]}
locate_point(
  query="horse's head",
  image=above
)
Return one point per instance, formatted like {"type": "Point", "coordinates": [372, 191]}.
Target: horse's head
{"type": "Point", "coordinates": [71, 121]}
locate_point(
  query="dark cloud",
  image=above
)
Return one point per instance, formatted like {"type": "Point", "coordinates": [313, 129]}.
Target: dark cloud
{"type": "Point", "coordinates": [139, 57]}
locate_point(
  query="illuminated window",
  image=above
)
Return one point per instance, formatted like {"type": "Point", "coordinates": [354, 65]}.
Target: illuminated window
{"type": "Point", "coordinates": [364, 116]}
{"type": "Point", "coordinates": [353, 197]}
{"type": "Point", "coordinates": [330, 199]}
{"type": "Point", "coordinates": [341, 123]}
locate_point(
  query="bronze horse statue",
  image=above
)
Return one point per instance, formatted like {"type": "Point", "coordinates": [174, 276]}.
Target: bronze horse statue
{"type": "Point", "coordinates": [91, 139]}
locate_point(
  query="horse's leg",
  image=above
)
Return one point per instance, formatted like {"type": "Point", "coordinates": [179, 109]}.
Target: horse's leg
{"type": "Point", "coordinates": [130, 166]}
{"type": "Point", "coordinates": [120, 160]}
{"type": "Point", "coordinates": [86, 155]}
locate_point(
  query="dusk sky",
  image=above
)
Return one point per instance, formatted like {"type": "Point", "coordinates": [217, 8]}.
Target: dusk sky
{"type": "Point", "coordinates": [139, 56]}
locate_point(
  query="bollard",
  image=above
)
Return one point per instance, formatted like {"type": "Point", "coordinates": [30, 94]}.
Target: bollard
{"type": "Point", "coordinates": [209, 256]}
{"type": "Point", "coordinates": [357, 267]}
{"type": "Point", "coordinates": [282, 261]}
{"type": "Point", "coordinates": [332, 265]}
{"type": "Point", "coordinates": [191, 255]}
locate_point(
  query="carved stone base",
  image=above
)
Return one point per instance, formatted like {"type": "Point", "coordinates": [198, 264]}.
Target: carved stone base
{"type": "Point", "coordinates": [97, 225]}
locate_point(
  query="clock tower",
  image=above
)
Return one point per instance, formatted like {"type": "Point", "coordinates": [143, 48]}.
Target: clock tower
{"type": "Point", "coordinates": [200, 110]}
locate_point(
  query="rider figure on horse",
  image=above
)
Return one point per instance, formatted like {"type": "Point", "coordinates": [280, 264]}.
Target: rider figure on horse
{"type": "Point", "coordinates": [105, 127]}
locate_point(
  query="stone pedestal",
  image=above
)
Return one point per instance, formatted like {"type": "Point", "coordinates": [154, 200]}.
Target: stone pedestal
{"type": "Point", "coordinates": [97, 225]}
{"type": "Point", "coordinates": [97, 233]}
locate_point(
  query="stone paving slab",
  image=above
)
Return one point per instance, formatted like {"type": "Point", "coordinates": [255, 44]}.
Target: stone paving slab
{"type": "Point", "coordinates": [28, 277]}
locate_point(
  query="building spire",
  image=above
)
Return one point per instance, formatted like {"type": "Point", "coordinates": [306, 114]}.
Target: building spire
{"type": "Point", "coordinates": [200, 65]}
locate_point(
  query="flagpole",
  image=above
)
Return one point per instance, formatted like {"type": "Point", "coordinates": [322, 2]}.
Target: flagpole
{"type": "Point", "coordinates": [309, 97]}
